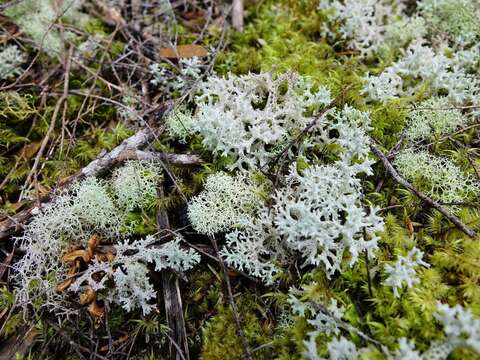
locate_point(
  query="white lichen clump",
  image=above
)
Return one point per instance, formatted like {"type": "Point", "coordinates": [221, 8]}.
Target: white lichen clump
{"type": "Point", "coordinates": [11, 59]}
{"type": "Point", "coordinates": [179, 123]}
{"type": "Point", "coordinates": [460, 19]}
{"type": "Point", "coordinates": [318, 214]}
{"type": "Point", "coordinates": [130, 273]}
{"type": "Point", "coordinates": [135, 184]}
{"type": "Point", "coordinates": [366, 25]}
{"type": "Point", "coordinates": [37, 20]}
{"type": "Point", "coordinates": [322, 216]}
{"type": "Point", "coordinates": [70, 219]}
{"type": "Point", "coordinates": [433, 118]}
{"type": "Point", "coordinates": [460, 326]}
{"type": "Point", "coordinates": [132, 286]}
{"type": "Point", "coordinates": [404, 271]}
{"type": "Point", "coordinates": [223, 204]}
{"type": "Point", "coordinates": [438, 177]}
{"type": "Point", "coordinates": [92, 208]}
{"type": "Point", "coordinates": [421, 65]}
{"type": "Point", "coordinates": [250, 117]}
{"type": "Point", "coordinates": [190, 71]}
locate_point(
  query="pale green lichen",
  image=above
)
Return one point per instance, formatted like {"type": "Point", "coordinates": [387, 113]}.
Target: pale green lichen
{"type": "Point", "coordinates": [438, 177]}
{"type": "Point", "coordinates": [433, 118]}
{"type": "Point", "coordinates": [11, 59]}
{"type": "Point", "coordinates": [223, 204]}
{"type": "Point", "coordinates": [37, 20]}
{"type": "Point", "coordinates": [135, 184]}
{"type": "Point", "coordinates": [459, 18]}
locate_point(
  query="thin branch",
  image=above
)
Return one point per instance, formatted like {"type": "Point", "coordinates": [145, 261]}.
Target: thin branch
{"type": "Point", "coordinates": [300, 136]}
{"type": "Point", "coordinates": [400, 180]}
{"type": "Point", "coordinates": [96, 167]}
{"type": "Point", "coordinates": [237, 15]}
{"type": "Point", "coordinates": [53, 120]}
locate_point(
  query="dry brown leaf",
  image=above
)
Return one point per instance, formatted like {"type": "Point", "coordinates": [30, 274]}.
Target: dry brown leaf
{"type": "Point", "coordinates": [105, 257]}
{"type": "Point", "coordinates": [74, 255]}
{"type": "Point", "coordinates": [194, 14]}
{"type": "Point", "coordinates": [184, 51]}
{"type": "Point", "coordinates": [43, 191]}
{"type": "Point", "coordinates": [74, 266]}
{"type": "Point", "coordinates": [409, 225]}
{"type": "Point", "coordinates": [62, 286]}
{"type": "Point", "coordinates": [92, 244]}
{"type": "Point", "coordinates": [88, 296]}
{"type": "Point", "coordinates": [96, 310]}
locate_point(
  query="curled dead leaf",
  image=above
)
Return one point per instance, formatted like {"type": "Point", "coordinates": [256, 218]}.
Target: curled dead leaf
{"type": "Point", "coordinates": [92, 244]}
{"type": "Point", "coordinates": [74, 255]}
{"type": "Point", "coordinates": [88, 296]}
{"type": "Point", "coordinates": [62, 286]}
{"type": "Point", "coordinates": [409, 225]}
{"type": "Point", "coordinates": [29, 150]}
{"type": "Point", "coordinates": [74, 266]}
{"type": "Point", "coordinates": [105, 257]}
{"type": "Point", "coordinates": [96, 310]}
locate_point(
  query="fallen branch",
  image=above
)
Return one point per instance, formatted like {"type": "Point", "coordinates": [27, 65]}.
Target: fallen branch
{"type": "Point", "coordinates": [129, 149]}
{"type": "Point", "coordinates": [400, 180]}
{"type": "Point", "coordinates": [173, 159]}
{"type": "Point", "coordinates": [172, 299]}
{"type": "Point", "coordinates": [237, 15]}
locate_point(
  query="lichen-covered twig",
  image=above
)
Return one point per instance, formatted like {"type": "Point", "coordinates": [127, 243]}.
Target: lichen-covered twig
{"type": "Point", "coordinates": [400, 180]}
{"type": "Point", "coordinates": [129, 149]}
{"type": "Point", "coordinates": [306, 130]}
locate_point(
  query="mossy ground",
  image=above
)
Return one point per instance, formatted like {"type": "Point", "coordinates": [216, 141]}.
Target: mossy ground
{"type": "Point", "coordinates": [279, 36]}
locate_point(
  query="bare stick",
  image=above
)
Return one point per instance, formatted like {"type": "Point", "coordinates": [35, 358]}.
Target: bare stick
{"type": "Point", "coordinates": [237, 15]}
{"type": "Point", "coordinates": [53, 120]}
{"type": "Point", "coordinates": [172, 298]}
{"type": "Point", "coordinates": [396, 176]}
{"type": "Point", "coordinates": [127, 152]}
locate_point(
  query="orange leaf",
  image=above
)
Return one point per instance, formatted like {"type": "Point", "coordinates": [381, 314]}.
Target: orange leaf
{"type": "Point", "coordinates": [88, 296]}
{"type": "Point", "coordinates": [105, 257]}
{"type": "Point", "coordinates": [64, 284]}
{"type": "Point", "coordinates": [72, 256]}
{"type": "Point", "coordinates": [92, 244]}
{"type": "Point", "coordinates": [184, 51]}
{"type": "Point", "coordinates": [194, 14]}
{"type": "Point", "coordinates": [409, 225]}
{"type": "Point", "coordinates": [71, 271]}
{"type": "Point", "coordinates": [96, 310]}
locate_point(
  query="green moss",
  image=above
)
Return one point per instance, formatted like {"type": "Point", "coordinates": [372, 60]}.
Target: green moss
{"type": "Point", "coordinates": [220, 337]}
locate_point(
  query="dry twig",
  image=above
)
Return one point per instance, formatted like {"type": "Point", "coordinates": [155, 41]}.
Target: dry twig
{"type": "Point", "coordinates": [400, 180]}
{"type": "Point", "coordinates": [128, 149]}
